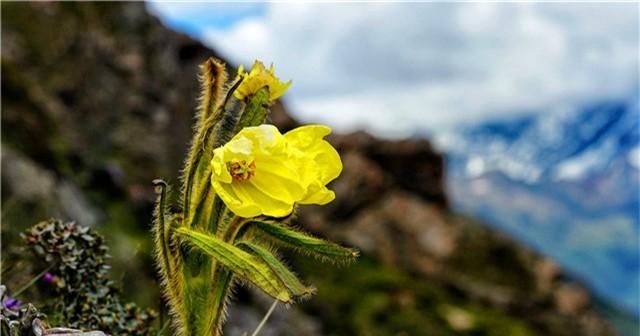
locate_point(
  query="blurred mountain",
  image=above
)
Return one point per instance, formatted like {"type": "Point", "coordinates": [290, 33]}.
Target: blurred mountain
{"type": "Point", "coordinates": [98, 100]}
{"type": "Point", "coordinates": [565, 182]}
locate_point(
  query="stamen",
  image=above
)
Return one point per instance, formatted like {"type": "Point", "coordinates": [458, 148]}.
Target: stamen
{"type": "Point", "coordinates": [240, 170]}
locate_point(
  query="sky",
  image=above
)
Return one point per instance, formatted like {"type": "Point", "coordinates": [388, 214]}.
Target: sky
{"type": "Point", "coordinates": [401, 69]}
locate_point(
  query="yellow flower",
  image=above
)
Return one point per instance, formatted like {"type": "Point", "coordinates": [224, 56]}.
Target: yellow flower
{"type": "Point", "coordinates": [262, 172]}
{"type": "Point", "coordinates": [257, 78]}
{"type": "Point", "coordinates": [321, 164]}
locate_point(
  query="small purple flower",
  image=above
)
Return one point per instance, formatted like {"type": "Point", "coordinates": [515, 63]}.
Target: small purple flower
{"type": "Point", "coordinates": [12, 303]}
{"type": "Point", "coordinates": [48, 277]}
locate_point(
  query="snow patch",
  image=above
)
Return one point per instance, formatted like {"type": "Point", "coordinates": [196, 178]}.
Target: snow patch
{"type": "Point", "coordinates": [634, 157]}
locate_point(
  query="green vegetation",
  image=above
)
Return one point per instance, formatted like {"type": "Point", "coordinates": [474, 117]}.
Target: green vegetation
{"type": "Point", "coordinates": [370, 299]}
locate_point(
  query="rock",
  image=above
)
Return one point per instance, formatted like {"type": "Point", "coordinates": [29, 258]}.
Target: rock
{"type": "Point", "coordinates": [571, 299]}
{"type": "Point", "coordinates": [27, 182]}
{"type": "Point", "coordinates": [24, 179]}
{"type": "Point", "coordinates": [391, 204]}
{"type": "Point", "coordinates": [547, 271]}
{"type": "Point", "coordinates": [75, 205]}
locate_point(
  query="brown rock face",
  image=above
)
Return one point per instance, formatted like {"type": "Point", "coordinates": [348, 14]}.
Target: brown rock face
{"type": "Point", "coordinates": [412, 165]}
{"type": "Point", "coordinates": [391, 203]}
{"type": "Point", "coordinates": [101, 96]}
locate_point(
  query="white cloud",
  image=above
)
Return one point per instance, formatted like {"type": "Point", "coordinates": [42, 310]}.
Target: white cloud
{"type": "Point", "coordinates": [398, 68]}
{"type": "Point", "coordinates": [634, 157]}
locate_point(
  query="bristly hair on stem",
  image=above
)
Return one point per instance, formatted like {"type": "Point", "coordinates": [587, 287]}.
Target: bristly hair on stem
{"type": "Point", "coordinates": [203, 251]}
{"type": "Point", "coordinates": [167, 257]}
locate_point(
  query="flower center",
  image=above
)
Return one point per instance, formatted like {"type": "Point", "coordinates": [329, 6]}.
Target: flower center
{"type": "Point", "coordinates": [240, 170]}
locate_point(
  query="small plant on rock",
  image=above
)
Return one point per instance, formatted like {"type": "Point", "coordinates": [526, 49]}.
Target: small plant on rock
{"type": "Point", "coordinates": [86, 298]}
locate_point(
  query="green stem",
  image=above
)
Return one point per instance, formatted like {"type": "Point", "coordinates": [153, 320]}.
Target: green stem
{"type": "Point", "coordinates": [221, 285]}
{"type": "Point", "coordinates": [30, 283]}
{"type": "Point", "coordinates": [164, 328]}
{"type": "Point", "coordinates": [265, 318]}
{"type": "Point", "coordinates": [6, 268]}
{"type": "Point", "coordinates": [221, 281]}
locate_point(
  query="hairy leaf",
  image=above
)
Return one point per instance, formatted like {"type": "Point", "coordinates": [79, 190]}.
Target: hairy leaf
{"type": "Point", "coordinates": [305, 243]}
{"type": "Point", "coordinates": [244, 265]}
{"type": "Point", "coordinates": [287, 278]}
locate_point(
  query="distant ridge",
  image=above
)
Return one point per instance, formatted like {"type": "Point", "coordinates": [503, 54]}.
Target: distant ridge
{"type": "Point", "coordinates": [565, 182]}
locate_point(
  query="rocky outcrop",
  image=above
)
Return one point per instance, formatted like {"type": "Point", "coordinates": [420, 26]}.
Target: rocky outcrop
{"type": "Point", "coordinates": [100, 97]}
{"type": "Point", "coordinates": [391, 204]}
{"type": "Point", "coordinates": [28, 183]}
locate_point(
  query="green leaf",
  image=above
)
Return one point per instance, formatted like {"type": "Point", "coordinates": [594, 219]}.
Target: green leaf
{"type": "Point", "coordinates": [256, 110]}
{"type": "Point", "coordinates": [162, 229]}
{"type": "Point", "coordinates": [305, 243]}
{"type": "Point", "coordinates": [287, 278]}
{"type": "Point", "coordinates": [241, 263]}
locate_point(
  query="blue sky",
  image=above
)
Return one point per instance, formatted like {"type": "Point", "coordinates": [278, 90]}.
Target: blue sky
{"type": "Point", "coordinates": [400, 68]}
{"type": "Point", "coordinates": [195, 18]}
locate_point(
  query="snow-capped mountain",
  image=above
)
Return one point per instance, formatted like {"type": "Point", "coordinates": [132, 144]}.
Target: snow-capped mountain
{"type": "Point", "coordinates": [561, 144]}
{"type": "Point", "coordinates": [566, 182]}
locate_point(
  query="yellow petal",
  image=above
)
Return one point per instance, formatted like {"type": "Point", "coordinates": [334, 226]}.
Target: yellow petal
{"type": "Point", "coordinates": [323, 162]}
{"type": "Point", "coordinates": [328, 161]}
{"type": "Point", "coordinates": [267, 205]}
{"type": "Point", "coordinates": [263, 137]}
{"type": "Point", "coordinates": [240, 145]}
{"type": "Point", "coordinates": [280, 166]}
{"type": "Point", "coordinates": [321, 197]}
{"type": "Point", "coordinates": [308, 139]}
{"type": "Point", "coordinates": [283, 189]}
{"type": "Point", "coordinates": [284, 170]}
{"type": "Point", "coordinates": [305, 136]}
{"type": "Point", "coordinates": [233, 202]}
{"type": "Point", "coordinates": [219, 167]}
{"type": "Point", "coordinates": [257, 78]}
